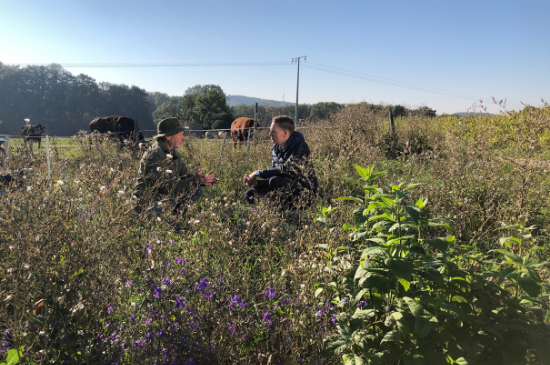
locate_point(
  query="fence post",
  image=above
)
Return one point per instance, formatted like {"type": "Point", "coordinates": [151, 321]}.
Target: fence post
{"type": "Point", "coordinates": [48, 156]}
{"type": "Point", "coordinates": [223, 146]}
{"type": "Point", "coordinates": [255, 121]}
{"type": "Point", "coordinates": [247, 147]}
{"type": "Point", "coordinates": [392, 125]}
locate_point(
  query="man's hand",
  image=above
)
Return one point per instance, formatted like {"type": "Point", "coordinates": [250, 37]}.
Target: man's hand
{"type": "Point", "coordinates": [250, 179]}
{"type": "Point", "coordinates": [206, 180]}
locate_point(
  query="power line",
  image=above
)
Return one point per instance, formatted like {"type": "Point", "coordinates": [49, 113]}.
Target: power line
{"type": "Point", "coordinates": [136, 65]}
{"type": "Point", "coordinates": [396, 81]}
{"type": "Point", "coordinates": [419, 88]}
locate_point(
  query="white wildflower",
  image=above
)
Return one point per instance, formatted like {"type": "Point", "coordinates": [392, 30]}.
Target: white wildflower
{"type": "Point", "coordinates": [29, 188]}
{"type": "Point", "coordinates": [168, 155]}
{"type": "Point", "coordinates": [60, 182]}
{"type": "Point", "coordinates": [26, 266]}
{"type": "Point", "coordinates": [168, 171]}
{"type": "Point", "coordinates": [158, 219]}
{"type": "Point", "coordinates": [120, 192]}
{"type": "Point", "coordinates": [9, 270]}
{"type": "Point", "coordinates": [112, 170]}
{"type": "Point", "coordinates": [102, 188]}
{"type": "Point", "coordinates": [158, 168]}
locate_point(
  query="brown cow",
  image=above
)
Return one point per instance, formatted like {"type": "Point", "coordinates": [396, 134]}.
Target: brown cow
{"type": "Point", "coordinates": [240, 129]}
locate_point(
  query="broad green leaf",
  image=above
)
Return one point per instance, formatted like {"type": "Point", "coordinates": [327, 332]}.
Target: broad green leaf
{"type": "Point", "coordinates": [437, 243]}
{"type": "Point", "coordinates": [400, 268]}
{"type": "Point", "coordinates": [363, 172]}
{"type": "Point", "coordinates": [406, 284]}
{"type": "Point", "coordinates": [412, 186]}
{"type": "Point", "coordinates": [421, 203]}
{"type": "Point", "coordinates": [461, 361]}
{"type": "Point", "coordinates": [363, 314]}
{"type": "Point", "coordinates": [509, 255]}
{"type": "Point", "coordinates": [359, 295]}
{"type": "Point", "coordinates": [317, 292]}
{"type": "Point", "coordinates": [414, 213]}
{"type": "Point", "coordinates": [416, 309]}
{"type": "Point", "coordinates": [344, 329]}
{"type": "Point", "coordinates": [532, 287]}
{"type": "Point", "coordinates": [336, 347]}
{"type": "Point", "coordinates": [423, 326]}
{"type": "Point", "coordinates": [390, 336]}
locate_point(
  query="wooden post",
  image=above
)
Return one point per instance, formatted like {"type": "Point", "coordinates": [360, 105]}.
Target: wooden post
{"type": "Point", "coordinates": [255, 122]}
{"type": "Point", "coordinates": [392, 125]}
{"type": "Point", "coordinates": [247, 147]}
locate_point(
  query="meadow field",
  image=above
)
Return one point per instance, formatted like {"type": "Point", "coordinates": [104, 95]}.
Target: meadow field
{"type": "Point", "coordinates": [427, 246]}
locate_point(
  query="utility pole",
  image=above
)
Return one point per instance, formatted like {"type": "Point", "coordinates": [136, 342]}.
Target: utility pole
{"type": "Point", "coordinates": [296, 120]}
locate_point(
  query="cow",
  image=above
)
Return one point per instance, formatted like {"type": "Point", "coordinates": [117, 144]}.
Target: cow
{"type": "Point", "coordinates": [208, 135]}
{"type": "Point", "coordinates": [124, 128]}
{"type": "Point", "coordinates": [240, 129]}
{"type": "Point", "coordinates": [33, 133]}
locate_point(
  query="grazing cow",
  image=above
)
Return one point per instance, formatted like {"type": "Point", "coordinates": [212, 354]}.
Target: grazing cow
{"type": "Point", "coordinates": [32, 133]}
{"type": "Point", "coordinates": [125, 128]}
{"type": "Point", "coordinates": [208, 135]}
{"type": "Point", "coordinates": [240, 128]}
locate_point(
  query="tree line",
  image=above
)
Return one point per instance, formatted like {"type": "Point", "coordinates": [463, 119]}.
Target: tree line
{"type": "Point", "coordinates": [66, 104]}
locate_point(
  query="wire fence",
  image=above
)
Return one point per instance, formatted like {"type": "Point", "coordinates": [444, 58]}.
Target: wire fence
{"type": "Point", "coordinates": [5, 143]}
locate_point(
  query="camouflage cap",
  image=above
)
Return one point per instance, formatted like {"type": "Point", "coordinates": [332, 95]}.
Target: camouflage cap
{"type": "Point", "coordinates": [169, 127]}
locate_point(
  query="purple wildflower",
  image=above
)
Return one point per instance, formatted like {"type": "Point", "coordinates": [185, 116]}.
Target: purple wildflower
{"type": "Point", "coordinates": [232, 328]}
{"type": "Point", "coordinates": [333, 319]}
{"type": "Point", "coordinates": [362, 304]}
{"type": "Point", "coordinates": [129, 282]}
{"type": "Point", "coordinates": [109, 310]}
{"type": "Point", "coordinates": [166, 281]}
{"type": "Point", "coordinates": [157, 291]}
{"type": "Point", "coordinates": [179, 302]}
{"type": "Point", "coordinates": [203, 283]}
{"type": "Point", "coordinates": [234, 301]}
{"type": "Point", "coordinates": [171, 242]}
{"type": "Point", "coordinates": [285, 301]}
{"type": "Point", "coordinates": [133, 318]}
{"type": "Point", "coordinates": [270, 326]}
{"type": "Point", "coordinates": [267, 317]}
{"type": "Point", "coordinates": [270, 293]}
{"type": "Point", "coordinates": [207, 295]}
{"type": "Point", "coordinates": [149, 336]}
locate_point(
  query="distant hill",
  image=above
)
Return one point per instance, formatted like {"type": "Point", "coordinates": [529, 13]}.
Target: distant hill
{"type": "Point", "coordinates": [249, 100]}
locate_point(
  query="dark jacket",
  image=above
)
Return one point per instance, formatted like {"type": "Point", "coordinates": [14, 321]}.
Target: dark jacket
{"type": "Point", "coordinates": [293, 161]}
{"type": "Point", "coordinates": [163, 174]}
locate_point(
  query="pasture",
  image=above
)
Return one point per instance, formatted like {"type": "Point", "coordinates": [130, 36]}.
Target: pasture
{"type": "Point", "coordinates": [453, 270]}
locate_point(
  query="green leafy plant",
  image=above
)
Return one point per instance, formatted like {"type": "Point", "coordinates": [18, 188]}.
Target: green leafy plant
{"type": "Point", "coordinates": [410, 298]}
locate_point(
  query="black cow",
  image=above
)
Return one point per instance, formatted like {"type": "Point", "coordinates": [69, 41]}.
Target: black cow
{"type": "Point", "coordinates": [33, 133]}
{"type": "Point", "coordinates": [125, 128]}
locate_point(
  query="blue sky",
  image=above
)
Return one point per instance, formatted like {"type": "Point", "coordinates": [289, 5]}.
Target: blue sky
{"type": "Point", "coordinates": [478, 48]}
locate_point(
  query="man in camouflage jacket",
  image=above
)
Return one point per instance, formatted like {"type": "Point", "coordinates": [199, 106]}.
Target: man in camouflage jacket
{"type": "Point", "coordinates": [163, 176]}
